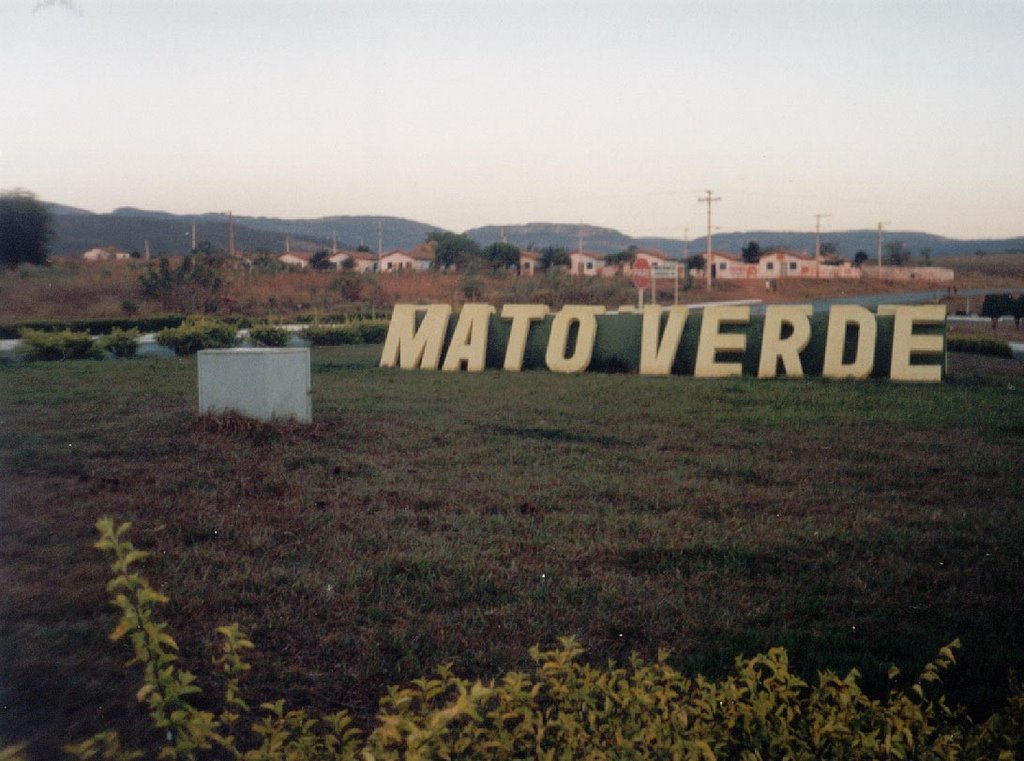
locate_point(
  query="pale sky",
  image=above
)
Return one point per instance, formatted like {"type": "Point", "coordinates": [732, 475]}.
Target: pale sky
{"type": "Point", "coordinates": [461, 114]}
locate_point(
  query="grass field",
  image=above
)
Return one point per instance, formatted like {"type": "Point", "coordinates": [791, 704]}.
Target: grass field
{"type": "Point", "coordinates": [429, 517]}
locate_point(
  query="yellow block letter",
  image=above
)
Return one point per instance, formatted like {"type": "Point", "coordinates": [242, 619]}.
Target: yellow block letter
{"type": "Point", "coordinates": [469, 341]}
{"type": "Point", "coordinates": [655, 358]}
{"type": "Point", "coordinates": [555, 357]}
{"type": "Point", "coordinates": [521, 315]}
{"type": "Point", "coordinates": [409, 348]}
{"type": "Point", "coordinates": [839, 317]}
{"type": "Point", "coordinates": [712, 340]}
{"type": "Point", "coordinates": [774, 347]}
{"type": "Point", "coordinates": [905, 343]}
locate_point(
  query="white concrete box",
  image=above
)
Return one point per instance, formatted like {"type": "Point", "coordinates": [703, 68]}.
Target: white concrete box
{"type": "Point", "coordinates": [261, 383]}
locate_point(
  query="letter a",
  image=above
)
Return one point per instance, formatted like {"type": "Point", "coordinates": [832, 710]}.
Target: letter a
{"type": "Point", "coordinates": [469, 342]}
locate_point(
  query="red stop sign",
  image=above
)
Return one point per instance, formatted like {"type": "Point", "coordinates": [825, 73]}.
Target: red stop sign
{"type": "Point", "coordinates": [641, 273]}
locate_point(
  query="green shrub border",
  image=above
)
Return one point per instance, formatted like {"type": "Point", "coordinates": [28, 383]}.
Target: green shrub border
{"type": "Point", "coordinates": [39, 345]}
{"type": "Point", "coordinates": [992, 347]}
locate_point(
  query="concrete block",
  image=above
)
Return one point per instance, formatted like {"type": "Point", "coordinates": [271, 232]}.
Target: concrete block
{"type": "Point", "coordinates": [261, 383]}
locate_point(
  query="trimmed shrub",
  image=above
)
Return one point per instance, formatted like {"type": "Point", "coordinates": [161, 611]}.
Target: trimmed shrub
{"type": "Point", "coordinates": [197, 333]}
{"type": "Point", "coordinates": [268, 335]}
{"type": "Point", "coordinates": [372, 331]}
{"type": "Point", "coordinates": [565, 709]}
{"type": "Point", "coordinates": [990, 346]}
{"type": "Point", "coordinates": [120, 343]}
{"type": "Point", "coordinates": [333, 335]}
{"type": "Point", "coordinates": [40, 345]}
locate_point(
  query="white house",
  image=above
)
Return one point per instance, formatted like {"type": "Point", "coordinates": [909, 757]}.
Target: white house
{"type": "Point", "coordinates": [293, 259]}
{"type": "Point", "coordinates": [529, 262]}
{"type": "Point", "coordinates": [418, 259]}
{"type": "Point", "coordinates": [104, 253]}
{"type": "Point", "coordinates": [362, 261]}
{"type": "Point", "coordinates": [653, 257]}
{"type": "Point", "coordinates": [339, 258]}
{"type": "Point", "coordinates": [586, 263]}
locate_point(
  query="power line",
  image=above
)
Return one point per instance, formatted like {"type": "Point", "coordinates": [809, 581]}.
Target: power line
{"type": "Point", "coordinates": [880, 225]}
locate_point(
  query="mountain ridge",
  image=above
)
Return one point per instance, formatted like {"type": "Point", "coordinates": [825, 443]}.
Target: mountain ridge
{"type": "Point", "coordinates": [77, 230]}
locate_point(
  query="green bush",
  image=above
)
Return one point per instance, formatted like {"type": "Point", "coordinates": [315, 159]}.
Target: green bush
{"type": "Point", "coordinates": [990, 346]}
{"type": "Point", "coordinates": [372, 331]}
{"type": "Point", "coordinates": [197, 333]}
{"type": "Point", "coordinates": [40, 345]}
{"type": "Point", "coordinates": [998, 305]}
{"type": "Point", "coordinates": [333, 335]}
{"type": "Point", "coordinates": [120, 343]}
{"type": "Point", "coordinates": [565, 709]}
{"type": "Point", "coordinates": [269, 335]}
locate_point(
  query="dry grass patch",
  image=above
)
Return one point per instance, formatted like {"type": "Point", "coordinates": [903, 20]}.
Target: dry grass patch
{"type": "Point", "coordinates": [429, 517]}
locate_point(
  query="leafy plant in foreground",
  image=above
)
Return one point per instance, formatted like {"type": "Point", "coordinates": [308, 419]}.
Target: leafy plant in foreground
{"type": "Point", "coordinates": [565, 709]}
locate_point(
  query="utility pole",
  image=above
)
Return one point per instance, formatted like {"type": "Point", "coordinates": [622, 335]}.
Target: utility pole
{"type": "Point", "coordinates": [380, 246]}
{"type": "Point", "coordinates": [880, 224]}
{"type": "Point", "coordinates": [503, 238]}
{"type": "Point", "coordinates": [580, 236]}
{"type": "Point", "coordinates": [231, 234]}
{"type": "Point", "coordinates": [147, 248]}
{"type": "Point", "coordinates": [817, 243]}
{"type": "Point", "coordinates": [334, 242]}
{"type": "Point", "coordinates": [287, 244]}
{"type": "Point", "coordinates": [193, 237]}
{"type": "Point", "coordinates": [708, 199]}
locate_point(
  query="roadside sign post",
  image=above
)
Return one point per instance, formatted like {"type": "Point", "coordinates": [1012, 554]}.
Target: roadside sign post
{"type": "Point", "coordinates": [641, 279]}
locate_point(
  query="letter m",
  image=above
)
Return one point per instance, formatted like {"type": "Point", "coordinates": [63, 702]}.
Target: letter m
{"type": "Point", "coordinates": [410, 348]}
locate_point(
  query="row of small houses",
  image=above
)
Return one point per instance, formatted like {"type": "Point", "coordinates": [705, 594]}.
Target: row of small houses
{"type": "Point", "coordinates": [773, 265]}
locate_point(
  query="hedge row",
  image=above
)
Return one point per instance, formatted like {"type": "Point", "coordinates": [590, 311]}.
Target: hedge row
{"type": "Point", "coordinates": [990, 346]}
{"type": "Point", "coordinates": [355, 332]}
{"type": "Point", "coordinates": [97, 326]}
{"type": "Point", "coordinates": [67, 344]}
{"type": "Point", "coordinates": [103, 325]}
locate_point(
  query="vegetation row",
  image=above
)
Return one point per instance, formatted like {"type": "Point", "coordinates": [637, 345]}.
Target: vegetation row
{"type": "Point", "coordinates": [190, 336]}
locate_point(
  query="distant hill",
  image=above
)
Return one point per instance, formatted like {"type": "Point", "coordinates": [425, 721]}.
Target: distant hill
{"type": "Point", "coordinates": [77, 230]}
{"type": "Point", "coordinates": [128, 228]}
{"type": "Point", "coordinates": [607, 241]}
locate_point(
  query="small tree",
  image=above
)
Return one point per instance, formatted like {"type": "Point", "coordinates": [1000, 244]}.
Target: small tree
{"type": "Point", "coordinates": [321, 260]}
{"type": "Point", "coordinates": [554, 256]}
{"type": "Point", "coordinates": [502, 255]}
{"type": "Point", "coordinates": [25, 229]}
{"type": "Point", "coordinates": [829, 252]}
{"type": "Point", "coordinates": [859, 258]}
{"type": "Point", "coordinates": [751, 252]}
{"type": "Point", "coordinates": [627, 256]}
{"type": "Point", "coordinates": [695, 262]}
{"type": "Point", "coordinates": [897, 254]}
{"type": "Point", "coordinates": [453, 249]}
